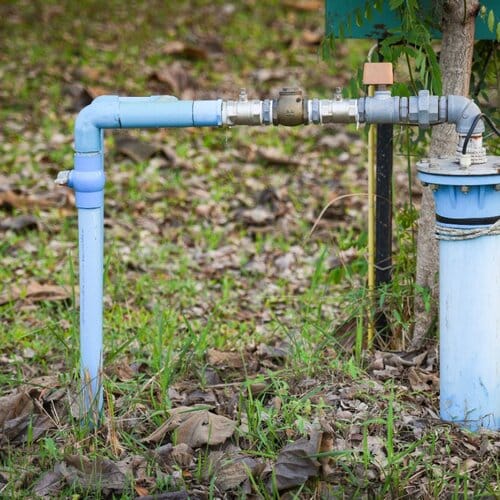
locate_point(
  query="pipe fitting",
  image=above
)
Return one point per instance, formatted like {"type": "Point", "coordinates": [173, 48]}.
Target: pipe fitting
{"type": "Point", "coordinates": [102, 112]}
{"type": "Point", "coordinates": [243, 112]}
{"type": "Point", "coordinates": [423, 110]}
{"type": "Point", "coordinates": [461, 112]}
{"type": "Point", "coordinates": [381, 108]}
{"type": "Point", "coordinates": [476, 152]}
{"type": "Point", "coordinates": [62, 178]}
{"type": "Point", "coordinates": [87, 180]}
{"type": "Point", "coordinates": [334, 111]}
{"type": "Point", "coordinates": [290, 109]}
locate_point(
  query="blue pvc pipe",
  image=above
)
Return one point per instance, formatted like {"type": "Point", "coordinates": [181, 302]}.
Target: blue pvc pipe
{"type": "Point", "coordinates": [469, 326]}
{"type": "Point", "coordinates": [87, 179]}
{"type": "Point", "coordinates": [469, 300]}
{"type": "Point", "coordinates": [91, 239]}
{"type": "Point", "coordinates": [141, 112]}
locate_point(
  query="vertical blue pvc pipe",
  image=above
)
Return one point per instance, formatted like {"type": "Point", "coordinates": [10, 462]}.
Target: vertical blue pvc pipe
{"type": "Point", "coordinates": [470, 332]}
{"type": "Point", "coordinates": [87, 179]}
{"type": "Point", "coordinates": [91, 239]}
{"type": "Point", "coordinates": [469, 296]}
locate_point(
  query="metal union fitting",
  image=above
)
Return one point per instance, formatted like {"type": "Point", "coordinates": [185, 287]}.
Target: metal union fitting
{"type": "Point", "coordinates": [334, 111]}
{"type": "Point", "coordinates": [242, 112]}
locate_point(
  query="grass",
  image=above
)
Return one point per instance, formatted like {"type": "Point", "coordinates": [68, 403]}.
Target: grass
{"type": "Point", "coordinates": [186, 274]}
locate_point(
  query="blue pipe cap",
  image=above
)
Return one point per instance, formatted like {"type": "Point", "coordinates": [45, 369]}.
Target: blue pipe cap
{"type": "Point", "coordinates": [465, 197]}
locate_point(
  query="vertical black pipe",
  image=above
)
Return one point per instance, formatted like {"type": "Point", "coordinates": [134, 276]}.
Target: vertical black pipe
{"type": "Point", "coordinates": [383, 222]}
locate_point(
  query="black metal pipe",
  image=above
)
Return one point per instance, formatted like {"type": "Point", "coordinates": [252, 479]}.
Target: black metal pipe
{"type": "Point", "coordinates": [383, 222]}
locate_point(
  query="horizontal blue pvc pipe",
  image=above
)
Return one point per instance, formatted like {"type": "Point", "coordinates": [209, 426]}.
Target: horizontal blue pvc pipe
{"type": "Point", "coordinates": [107, 112]}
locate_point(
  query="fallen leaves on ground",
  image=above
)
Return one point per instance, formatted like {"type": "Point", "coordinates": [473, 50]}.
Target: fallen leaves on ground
{"type": "Point", "coordinates": [32, 411]}
{"type": "Point", "coordinates": [10, 199]}
{"type": "Point", "coordinates": [174, 79]}
{"type": "Point", "coordinates": [19, 223]}
{"type": "Point", "coordinates": [134, 148]}
{"type": "Point", "coordinates": [178, 48]}
{"type": "Point", "coordinates": [90, 475]}
{"type": "Point", "coordinates": [35, 292]}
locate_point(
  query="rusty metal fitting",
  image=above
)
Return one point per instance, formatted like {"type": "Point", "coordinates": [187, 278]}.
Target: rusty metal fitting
{"type": "Point", "coordinates": [290, 108]}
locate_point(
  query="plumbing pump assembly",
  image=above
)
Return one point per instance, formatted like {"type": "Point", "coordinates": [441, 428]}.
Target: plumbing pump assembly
{"type": "Point", "coordinates": [466, 190]}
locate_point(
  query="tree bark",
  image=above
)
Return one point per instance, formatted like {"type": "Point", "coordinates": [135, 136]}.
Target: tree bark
{"type": "Point", "coordinates": [457, 26]}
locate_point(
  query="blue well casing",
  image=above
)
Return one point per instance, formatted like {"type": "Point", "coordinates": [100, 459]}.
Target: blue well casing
{"type": "Point", "coordinates": [469, 290]}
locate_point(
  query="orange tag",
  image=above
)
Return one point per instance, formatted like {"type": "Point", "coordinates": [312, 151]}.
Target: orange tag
{"type": "Point", "coordinates": [378, 74]}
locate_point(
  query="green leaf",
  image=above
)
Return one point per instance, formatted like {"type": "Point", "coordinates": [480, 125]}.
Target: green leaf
{"type": "Point", "coordinates": [359, 17]}
{"type": "Point", "coordinates": [368, 11]}
{"type": "Point", "coordinates": [491, 20]}
{"type": "Point", "coordinates": [394, 4]}
{"type": "Point", "coordinates": [401, 89]}
{"type": "Point", "coordinates": [341, 33]}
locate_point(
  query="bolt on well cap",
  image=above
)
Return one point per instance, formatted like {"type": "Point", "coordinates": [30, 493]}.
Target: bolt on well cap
{"type": "Point", "coordinates": [378, 74]}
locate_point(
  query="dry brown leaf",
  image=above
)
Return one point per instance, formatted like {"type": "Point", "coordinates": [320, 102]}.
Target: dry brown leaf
{"type": "Point", "coordinates": [231, 469]}
{"type": "Point", "coordinates": [175, 79]}
{"type": "Point", "coordinates": [19, 223]}
{"type": "Point", "coordinates": [422, 381]}
{"type": "Point", "coordinates": [203, 428]}
{"type": "Point", "coordinates": [171, 495]}
{"type": "Point", "coordinates": [91, 474]}
{"type": "Point", "coordinates": [312, 37]}
{"type": "Point", "coordinates": [275, 156]}
{"type": "Point", "coordinates": [49, 484]}
{"type": "Point", "coordinates": [18, 417]}
{"type": "Point", "coordinates": [195, 426]}
{"type": "Point", "coordinates": [182, 455]}
{"type": "Point", "coordinates": [79, 96]}
{"type": "Point", "coordinates": [177, 416]}
{"type": "Point", "coordinates": [178, 48]}
{"type": "Point", "coordinates": [49, 199]}
{"type": "Point", "coordinates": [258, 216]}
{"type": "Point", "coordinates": [35, 292]}
{"type": "Point", "coordinates": [13, 406]}
{"type": "Point", "coordinates": [101, 473]}
{"type": "Point", "coordinates": [224, 359]}
{"type": "Point", "coordinates": [141, 491]}
{"type": "Point", "coordinates": [266, 74]}
{"type": "Point", "coordinates": [134, 148]}
{"type": "Point", "coordinates": [295, 463]}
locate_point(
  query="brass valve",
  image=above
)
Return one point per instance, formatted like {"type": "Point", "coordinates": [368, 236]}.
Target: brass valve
{"type": "Point", "coordinates": [290, 108]}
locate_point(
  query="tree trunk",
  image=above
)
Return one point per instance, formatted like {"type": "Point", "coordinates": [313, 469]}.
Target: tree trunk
{"type": "Point", "coordinates": [455, 62]}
